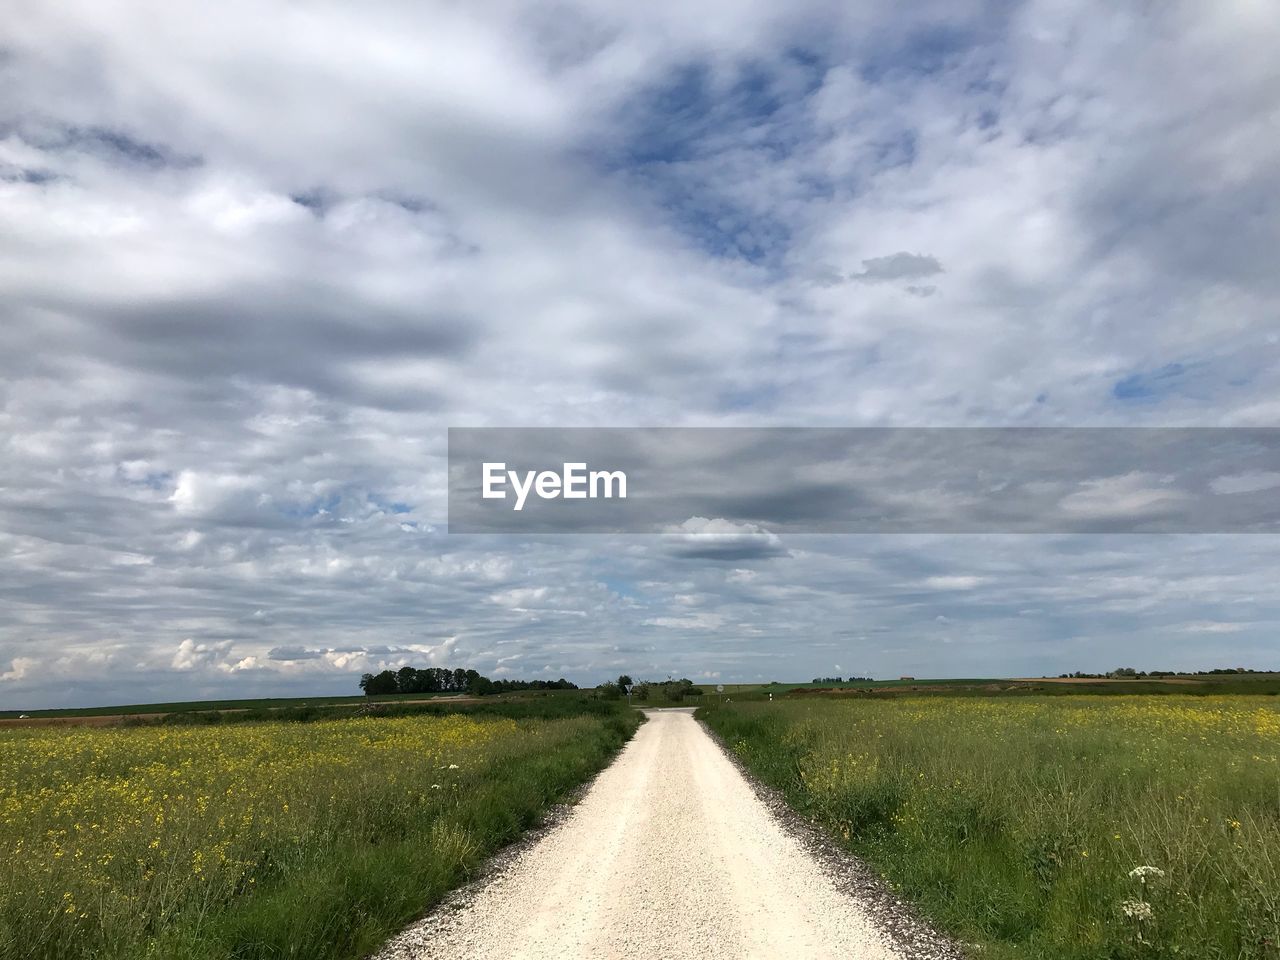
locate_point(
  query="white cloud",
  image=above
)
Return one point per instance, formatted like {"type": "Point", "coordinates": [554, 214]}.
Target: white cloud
{"type": "Point", "coordinates": [1128, 496]}
{"type": "Point", "coordinates": [1214, 626]}
{"type": "Point", "coordinates": [693, 621]}
{"type": "Point", "coordinates": [195, 494]}
{"type": "Point", "coordinates": [1250, 482]}
{"type": "Point", "coordinates": [953, 582]}
{"type": "Point", "coordinates": [19, 668]}
{"type": "Point", "coordinates": [191, 655]}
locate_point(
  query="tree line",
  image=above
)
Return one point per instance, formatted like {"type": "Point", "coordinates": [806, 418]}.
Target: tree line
{"type": "Point", "coordinates": [1129, 673]}
{"type": "Point", "coordinates": [669, 689]}
{"type": "Point", "coordinates": [444, 680]}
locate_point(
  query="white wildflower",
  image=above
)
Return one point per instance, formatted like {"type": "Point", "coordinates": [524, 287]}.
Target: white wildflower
{"type": "Point", "coordinates": [435, 786]}
{"type": "Point", "coordinates": [453, 766]}
{"type": "Point", "coordinates": [1142, 873]}
{"type": "Point", "coordinates": [1136, 909]}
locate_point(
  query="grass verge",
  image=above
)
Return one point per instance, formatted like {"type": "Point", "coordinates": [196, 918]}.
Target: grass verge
{"type": "Point", "coordinates": [1020, 824]}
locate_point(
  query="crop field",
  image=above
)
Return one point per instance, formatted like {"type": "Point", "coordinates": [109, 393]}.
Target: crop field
{"type": "Point", "coordinates": [204, 706]}
{"type": "Point", "coordinates": [1046, 827]}
{"type": "Point", "coordinates": [304, 840]}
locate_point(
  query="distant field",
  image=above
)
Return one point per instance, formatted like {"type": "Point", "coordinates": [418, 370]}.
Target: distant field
{"type": "Point", "coordinates": [1261, 683]}
{"type": "Point", "coordinates": [269, 840]}
{"type": "Point", "coordinates": [1017, 823]}
{"type": "Point", "coordinates": [187, 706]}
{"type": "Point", "coordinates": [1204, 684]}
{"type": "Point", "coordinates": [877, 684]}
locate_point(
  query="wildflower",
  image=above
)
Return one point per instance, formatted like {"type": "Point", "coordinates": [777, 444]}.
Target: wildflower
{"type": "Point", "coordinates": [453, 766]}
{"type": "Point", "coordinates": [1142, 873]}
{"type": "Point", "coordinates": [1137, 910]}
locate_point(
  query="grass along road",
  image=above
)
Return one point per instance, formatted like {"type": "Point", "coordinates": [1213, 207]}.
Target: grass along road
{"type": "Point", "coordinates": [1053, 828]}
{"type": "Point", "coordinates": [670, 854]}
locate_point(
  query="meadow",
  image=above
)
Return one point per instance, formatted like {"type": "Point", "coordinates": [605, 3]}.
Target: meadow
{"type": "Point", "coordinates": [268, 840]}
{"type": "Point", "coordinates": [1046, 827]}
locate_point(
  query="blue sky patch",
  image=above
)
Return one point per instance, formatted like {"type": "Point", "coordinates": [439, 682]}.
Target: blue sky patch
{"type": "Point", "coordinates": [685, 141]}
{"type": "Point", "coordinates": [1150, 384]}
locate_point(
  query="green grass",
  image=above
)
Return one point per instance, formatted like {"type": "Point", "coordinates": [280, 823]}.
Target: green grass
{"type": "Point", "coordinates": [1015, 823]}
{"type": "Point", "coordinates": [258, 841]}
{"type": "Point", "coordinates": [1264, 684]}
{"type": "Point", "coordinates": [946, 685]}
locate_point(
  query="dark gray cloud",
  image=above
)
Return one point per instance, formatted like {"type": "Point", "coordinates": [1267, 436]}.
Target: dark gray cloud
{"type": "Point", "coordinates": [702, 538]}
{"type": "Point", "coordinates": [293, 653]}
{"type": "Point", "coordinates": [897, 266]}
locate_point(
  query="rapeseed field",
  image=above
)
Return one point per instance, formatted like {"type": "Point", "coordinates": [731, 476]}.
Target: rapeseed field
{"type": "Point", "coordinates": [267, 839]}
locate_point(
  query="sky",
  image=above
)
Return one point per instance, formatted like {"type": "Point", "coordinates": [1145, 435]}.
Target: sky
{"type": "Point", "coordinates": [257, 257]}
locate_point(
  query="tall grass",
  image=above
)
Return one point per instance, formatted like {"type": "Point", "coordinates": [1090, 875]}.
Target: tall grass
{"type": "Point", "coordinates": [267, 840]}
{"type": "Point", "coordinates": [1020, 824]}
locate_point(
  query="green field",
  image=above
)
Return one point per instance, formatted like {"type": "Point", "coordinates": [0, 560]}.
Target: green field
{"type": "Point", "coordinates": [1183, 684]}
{"type": "Point", "coordinates": [192, 706]}
{"type": "Point", "coordinates": [268, 840]}
{"type": "Point", "coordinates": [1018, 823]}
{"type": "Point", "coordinates": [1254, 683]}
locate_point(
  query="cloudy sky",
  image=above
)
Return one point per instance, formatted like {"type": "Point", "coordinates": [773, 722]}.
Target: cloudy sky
{"type": "Point", "coordinates": [256, 258]}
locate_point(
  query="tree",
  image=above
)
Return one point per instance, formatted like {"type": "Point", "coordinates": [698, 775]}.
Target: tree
{"type": "Point", "coordinates": [481, 686]}
{"type": "Point", "coordinates": [444, 680]}
{"type": "Point", "coordinates": [624, 681]}
{"type": "Point", "coordinates": [384, 682]}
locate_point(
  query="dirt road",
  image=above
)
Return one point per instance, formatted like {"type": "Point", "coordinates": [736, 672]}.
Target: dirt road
{"type": "Point", "coordinates": [669, 855]}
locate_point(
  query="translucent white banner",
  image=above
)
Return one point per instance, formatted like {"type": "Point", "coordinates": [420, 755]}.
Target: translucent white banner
{"type": "Point", "coordinates": [895, 480]}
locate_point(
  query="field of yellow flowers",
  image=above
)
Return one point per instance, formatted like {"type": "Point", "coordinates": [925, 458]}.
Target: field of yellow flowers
{"type": "Point", "coordinates": [265, 839]}
{"type": "Point", "coordinates": [1063, 827]}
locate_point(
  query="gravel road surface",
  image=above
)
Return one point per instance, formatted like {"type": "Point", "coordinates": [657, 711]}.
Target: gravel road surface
{"type": "Point", "coordinates": [670, 854]}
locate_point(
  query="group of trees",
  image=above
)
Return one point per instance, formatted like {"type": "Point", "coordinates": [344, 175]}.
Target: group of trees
{"type": "Point", "coordinates": [830, 680]}
{"type": "Point", "coordinates": [1129, 673]}
{"type": "Point", "coordinates": [444, 680]}
{"type": "Point", "coordinates": [669, 689]}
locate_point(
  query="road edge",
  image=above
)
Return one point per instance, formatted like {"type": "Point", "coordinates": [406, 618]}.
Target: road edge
{"type": "Point", "coordinates": [909, 933]}
{"type": "Point", "coordinates": [402, 944]}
